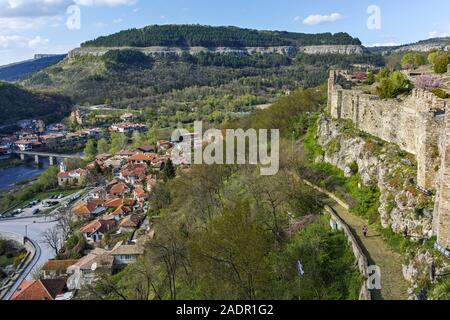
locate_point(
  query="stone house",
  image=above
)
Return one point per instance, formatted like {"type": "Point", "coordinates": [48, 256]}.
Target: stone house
{"type": "Point", "coordinates": [87, 270]}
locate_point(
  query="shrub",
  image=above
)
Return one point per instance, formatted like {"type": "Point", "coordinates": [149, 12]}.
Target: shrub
{"type": "Point", "coordinates": [370, 79]}
{"type": "Point", "coordinates": [427, 82]}
{"type": "Point", "coordinates": [393, 85]}
{"type": "Point", "coordinates": [415, 59]}
{"type": "Point", "coordinates": [441, 93]}
{"type": "Point", "coordinates": [441, 62]}
{"type": "Point", "coordinates": [432, 57]}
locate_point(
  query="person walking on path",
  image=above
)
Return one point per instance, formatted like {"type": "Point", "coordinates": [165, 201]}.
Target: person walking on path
{"type": "Point", "coordinates": [365, 231]}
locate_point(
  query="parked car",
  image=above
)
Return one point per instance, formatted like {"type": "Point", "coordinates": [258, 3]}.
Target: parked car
{"type": "Point", "coordinates": [60, 196]}
{"type": "Point", "coordinates": [35, 211]}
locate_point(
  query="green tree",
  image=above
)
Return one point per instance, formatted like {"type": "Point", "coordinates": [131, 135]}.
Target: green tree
{"type": "Point", "coordinates": [415, 59]}
{"type": "Point", "coordinates": [228, 258]}
{"type": "Point", "coordinates": [90, 151]}
{"type": "Point", "coordinates": [432, 57]}
{"type": "Point", "coordinates": [118, 142]}
{"type": "Point", "coordinates": [168, 170]}
{"type": "Point", "coordinates": [441, 62]}
{"type": "Point", "coordinates": [102, 146]}
{"type": "Point", "coordinates": [138, 139]}
{"type": "Point", "coordinates": [370, 79]}
{"type": "Point", "coordinates": [393, 85]}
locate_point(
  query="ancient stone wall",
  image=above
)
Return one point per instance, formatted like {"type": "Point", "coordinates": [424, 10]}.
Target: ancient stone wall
{"type": "Point", "coordinates": [418, 124]}
{"type": "Point", "coordinates": [441, 218]}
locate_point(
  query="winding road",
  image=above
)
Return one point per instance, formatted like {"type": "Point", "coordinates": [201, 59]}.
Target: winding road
{"type": "Point", "coordinates": [33, 229]}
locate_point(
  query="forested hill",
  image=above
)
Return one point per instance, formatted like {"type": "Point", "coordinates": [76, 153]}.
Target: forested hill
{"type": "Point", "coordinates": [18, 103]}
{"type": "Point", "coordinates": [20, 70]}
{"type": "Point", "coordinates": [208, 36]}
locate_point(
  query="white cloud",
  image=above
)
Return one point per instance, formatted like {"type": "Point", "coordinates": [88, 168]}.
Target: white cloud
{"type": "Point", "coordinates": [32, 8]}
{"type": "Point", "coordinates": [384, 44]}
{"type": "Point", "coordinates": [107, 3]}
{"type": "Point", "coordinates": [319, 19]}
{"type": "Point", "coordinates": [438, 34]}
{"type": "Point", "coordinates": [38, 42]}
{"type": "Point", "coordinates": [11, 41]}
{"type": "Point", "coordinates": [16, 41]}
{"type": "Point", "coordinates": [16, 24]}
{"type": "Point", "coordinates": [297, 18]}
{"type": "Point", "coordinates": [118, 20]}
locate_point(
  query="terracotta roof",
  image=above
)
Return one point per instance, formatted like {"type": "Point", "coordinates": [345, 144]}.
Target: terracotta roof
{"type": "Point", "coordinates": [130, 222]}
{"type": "Point", "coordinates": [119, 188]}
{"type": "Point", "coordinates": [58, 264]}
{"type": "Point", "coordinates": [64, 174]}
{"type": "Point", "coordinates": [87, 208]}
{"type": "Point", "coordinates": [126, 153]}
{"type": "Point", "coordinates": [140, 192]}
{"type": "Point", "coordinates": [98, 225]}
{"type": "Point", "coordinates": [142, 157]}
{"type": "Point", "coordinates": [43, 289]}
{"type": "Point", "coordinates": [122, 210]}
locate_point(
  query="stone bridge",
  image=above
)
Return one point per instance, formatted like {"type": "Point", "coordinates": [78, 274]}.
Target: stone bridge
{"type": "Point", "coordinates": [49, 155]}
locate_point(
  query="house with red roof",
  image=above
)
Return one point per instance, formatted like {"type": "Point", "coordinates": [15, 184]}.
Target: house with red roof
{"type": "Point", "coordinates": [42, 289]}
{"type": "Point", "coordinates": [95, 230]}
{"type": "Point", "coordinates": [54, 269]}
{"type": "Point", "coordinates": [133, 173]}
{"type": "Point", "coordinates": [73, 177]}
{"type": "Point", "coordinates": [119, 189]}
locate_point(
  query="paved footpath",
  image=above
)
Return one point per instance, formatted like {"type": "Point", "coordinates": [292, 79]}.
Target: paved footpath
{"type": "Point", "coordinates": [393, 285]}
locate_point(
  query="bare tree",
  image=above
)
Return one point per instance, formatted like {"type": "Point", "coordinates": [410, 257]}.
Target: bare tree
{"type": "Point", "coordinates": [52, 238]}
{"type": "Point", "coordinates": [64, 222]}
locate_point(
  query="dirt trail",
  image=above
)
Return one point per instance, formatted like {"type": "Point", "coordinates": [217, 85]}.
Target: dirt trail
{"type": "Point", "coordinates": [393, 285]}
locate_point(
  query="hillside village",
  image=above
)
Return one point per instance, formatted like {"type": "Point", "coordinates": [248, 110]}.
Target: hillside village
{"type": "Point", "coordinates": [111, 217]}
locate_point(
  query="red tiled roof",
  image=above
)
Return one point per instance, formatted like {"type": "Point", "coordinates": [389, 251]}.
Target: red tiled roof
{"type": "Point", "coordinates": [139, 192]}
{"type": "Point", "coordinates": [58, 264]}
{"type": "Point", "coordinates": [98, 225]}
{"type": "Point", "coordinates": [87, 208]}
{"type": "Point", "coordinates": [142, 157]}
{"type": "Point", "coordinates": [119, 188]}
{"type": "Point", "coordinates": [44, 289]}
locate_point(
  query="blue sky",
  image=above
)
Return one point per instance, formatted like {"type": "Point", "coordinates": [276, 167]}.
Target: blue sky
{"type": "Point", "coordinates": [40, 26]}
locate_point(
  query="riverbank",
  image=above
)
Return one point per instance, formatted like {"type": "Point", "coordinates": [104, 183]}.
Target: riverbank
{"type": "Point", "coordinates": [10, 163]}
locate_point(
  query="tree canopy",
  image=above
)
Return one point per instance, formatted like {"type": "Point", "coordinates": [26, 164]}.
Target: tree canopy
{"type": "Point", "coordinates": [208, 36]}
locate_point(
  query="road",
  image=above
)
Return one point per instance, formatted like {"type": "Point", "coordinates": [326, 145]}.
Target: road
{"type": "Point", "coordinates": [33, 229]}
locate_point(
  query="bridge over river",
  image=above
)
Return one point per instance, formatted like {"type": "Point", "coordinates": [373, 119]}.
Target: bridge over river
{"type": "Point", "coordinates": [49, 155]}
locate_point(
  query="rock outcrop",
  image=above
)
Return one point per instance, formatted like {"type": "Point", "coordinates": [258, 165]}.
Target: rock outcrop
{"type": "Point", "coordinates": [333, 49]}
{"type": "Point", "coordinates": [284, 50]}
{"type": "Point", "coordinates": [402, 207]}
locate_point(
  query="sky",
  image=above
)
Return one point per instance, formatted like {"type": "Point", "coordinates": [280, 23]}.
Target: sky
{"type": "Point", "coordinates": [57, 26]}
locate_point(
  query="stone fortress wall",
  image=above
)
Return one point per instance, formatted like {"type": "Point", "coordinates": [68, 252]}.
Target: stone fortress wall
{"type": "Point", "coordinates": [418, 124]}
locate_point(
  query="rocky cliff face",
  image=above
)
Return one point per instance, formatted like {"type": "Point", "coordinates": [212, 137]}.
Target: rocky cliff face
{"type": "Point", "coordinates": [333, 49]}
{"type": "Point", "coordinates": [284, 50]}
{"type": "Point", "coordinates": [159, 51]}
{"type": "Point", "coordinates": [402, 207]}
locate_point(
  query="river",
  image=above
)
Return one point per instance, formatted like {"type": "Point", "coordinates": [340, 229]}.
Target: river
{"type": "Point", "coordinates": [9, 177]}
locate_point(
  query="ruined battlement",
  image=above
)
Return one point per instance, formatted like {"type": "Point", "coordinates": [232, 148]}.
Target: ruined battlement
{"type": "Point", "coordinates": [418, 124]}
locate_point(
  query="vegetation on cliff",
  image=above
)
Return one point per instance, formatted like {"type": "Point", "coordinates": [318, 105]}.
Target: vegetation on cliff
{"type": "Point", "coordinates": [223, 232]}
{"type": "Point", "coordinates": [208, 36]}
